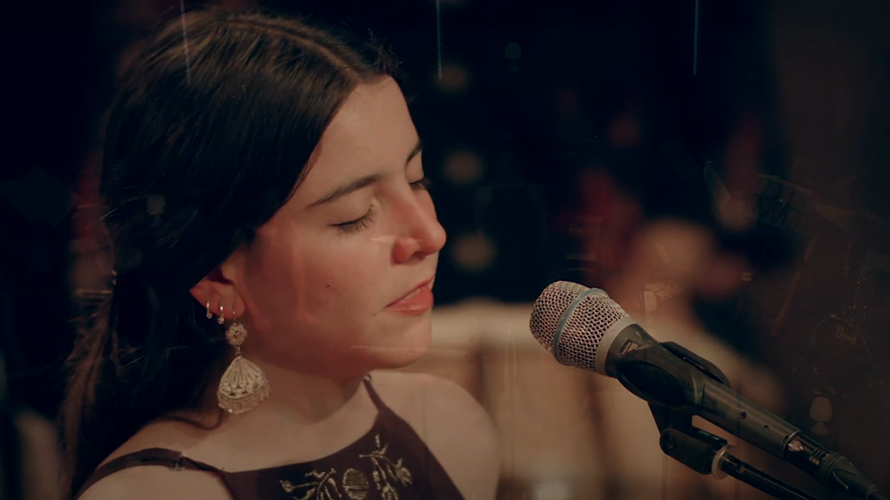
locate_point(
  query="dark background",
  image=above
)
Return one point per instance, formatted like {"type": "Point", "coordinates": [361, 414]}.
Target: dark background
{"type": "Point", "coordinates": [542, 93]}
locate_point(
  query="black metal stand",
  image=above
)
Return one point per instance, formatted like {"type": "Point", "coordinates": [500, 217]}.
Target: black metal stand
{"type": "Point", "coordinates": [706, 453]}
{"type": "Point", "coordinates": [761, 480]}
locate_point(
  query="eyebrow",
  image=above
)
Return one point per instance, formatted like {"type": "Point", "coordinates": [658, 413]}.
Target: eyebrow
{"type": "Point", "coordinates": [362, 182]}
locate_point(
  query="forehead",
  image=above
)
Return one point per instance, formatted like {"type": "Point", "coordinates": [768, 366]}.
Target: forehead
{"type": "Point", "coordinates": [370, 134]}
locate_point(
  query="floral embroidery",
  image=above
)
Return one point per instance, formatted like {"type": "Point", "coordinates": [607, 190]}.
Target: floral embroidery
{"type": "Point", "coordinates": [387, 476]}
{"type": "Point", "coordinates": [386, 472]}
{"type": "Point", "coordinates": [323, 488]}
{"type": "Point", "coordinates": [356, 485]}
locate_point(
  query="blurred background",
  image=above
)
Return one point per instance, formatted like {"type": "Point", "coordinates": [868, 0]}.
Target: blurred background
{"type": "Point", "coordinates": [719, 167]}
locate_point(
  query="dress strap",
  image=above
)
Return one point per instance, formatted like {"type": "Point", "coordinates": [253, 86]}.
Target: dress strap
{"type": "Point", "coordinates": [381, 406]}
{"type": "Point", "coordinates": [151, 456]}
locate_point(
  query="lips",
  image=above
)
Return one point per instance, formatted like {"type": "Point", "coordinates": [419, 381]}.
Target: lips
{"type": "Point", "coordinates": [416, 302]}
{"type": "Point", "coordinates": [414, 292]}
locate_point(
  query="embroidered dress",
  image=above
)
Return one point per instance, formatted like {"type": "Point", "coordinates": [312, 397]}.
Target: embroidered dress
{"type": "Point", "coordinates": [390, 462]}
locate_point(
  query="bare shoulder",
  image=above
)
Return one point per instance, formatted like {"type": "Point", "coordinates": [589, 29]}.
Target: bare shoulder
{"type": "Point", "coordinates": [157, 482]}
{"type": "Point", "coordinates": [154, 482]}
{"type": "Point", "coordinates": [454, 426]}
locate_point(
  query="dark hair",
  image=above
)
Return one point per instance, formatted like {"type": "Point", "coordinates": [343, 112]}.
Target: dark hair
{"type": "Point", "coordinates": [209, 135]}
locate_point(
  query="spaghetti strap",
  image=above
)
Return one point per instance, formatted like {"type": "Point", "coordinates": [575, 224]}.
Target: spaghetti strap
{"type": "Point", "coordinates": [381, 406]}
{"type": "Point", "coordinates": [151, 456]}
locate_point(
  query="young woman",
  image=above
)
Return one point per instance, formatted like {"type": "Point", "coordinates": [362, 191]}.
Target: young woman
{"type": "Point", "coordinates": [274, 244]}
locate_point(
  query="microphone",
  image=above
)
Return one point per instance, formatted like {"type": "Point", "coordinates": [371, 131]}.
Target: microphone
{"type": "Point", "coordinates": [585, 328]}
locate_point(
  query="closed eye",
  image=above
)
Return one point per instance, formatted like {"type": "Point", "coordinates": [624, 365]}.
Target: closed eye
{"type": "Point", "coordinates": [363, 222]}
{"type": "Point", "coordinates": [422, 184]}
{"type": "Point", "coordinates": [357, 225]}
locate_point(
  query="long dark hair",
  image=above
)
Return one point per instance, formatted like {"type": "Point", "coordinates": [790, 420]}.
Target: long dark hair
{"type": "Point", "coordinates": [208, 136]}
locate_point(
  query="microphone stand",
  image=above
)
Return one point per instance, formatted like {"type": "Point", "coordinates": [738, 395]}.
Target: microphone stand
{"type": "Point", "coordinates": [706, 453]}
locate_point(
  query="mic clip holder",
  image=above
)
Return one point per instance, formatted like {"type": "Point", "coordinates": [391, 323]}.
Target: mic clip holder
{"type": "Point", "coordinates": [704, 452]}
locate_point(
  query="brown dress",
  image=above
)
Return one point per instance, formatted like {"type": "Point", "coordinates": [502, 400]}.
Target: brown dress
{"type": "Point", "coordinates": [390, 462]}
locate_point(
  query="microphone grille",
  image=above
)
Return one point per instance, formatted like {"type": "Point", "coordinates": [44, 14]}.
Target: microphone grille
{"type": "Point", "coordinates": [579, 326]}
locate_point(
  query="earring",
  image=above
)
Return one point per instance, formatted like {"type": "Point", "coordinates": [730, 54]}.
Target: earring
{"type": "Point", "coordinates": [221, 319]}
{"type": "Point", "coordinates": [244, 385]}
{"type": "Point", "coordinates": [209, 314]}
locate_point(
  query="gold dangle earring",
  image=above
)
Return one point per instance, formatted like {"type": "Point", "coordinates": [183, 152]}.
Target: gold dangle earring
{"type": "Point", "coordinates": [243, 385]}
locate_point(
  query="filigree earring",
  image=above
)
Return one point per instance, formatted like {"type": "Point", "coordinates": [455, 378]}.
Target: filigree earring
{"type": "Point", "coordinates": [244, 385]}
{"type": "Point", "coordinates": [209, 314]}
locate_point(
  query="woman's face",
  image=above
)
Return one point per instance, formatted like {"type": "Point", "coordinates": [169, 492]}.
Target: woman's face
{"type": "Point", "coordinates": [322, 282]}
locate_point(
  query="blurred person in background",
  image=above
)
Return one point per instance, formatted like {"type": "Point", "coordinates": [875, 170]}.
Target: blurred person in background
{"type": "Point", "coordinates": [658, 269]}
{"type": "Point", "coordinates": [273, 244]}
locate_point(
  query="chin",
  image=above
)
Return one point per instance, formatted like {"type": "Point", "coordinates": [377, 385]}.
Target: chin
{"type": "Point", "coordinates": [405, 350]}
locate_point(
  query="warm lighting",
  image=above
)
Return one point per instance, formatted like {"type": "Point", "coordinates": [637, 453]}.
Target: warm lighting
{"type": "Point", "coordinates": [463, 167]}
{"type": "Point", "coordinates": [453, 78]}
{"type": "Point", "coordinates": [474, 252]}
{"type": "Point", "coordinates": [552, 490]}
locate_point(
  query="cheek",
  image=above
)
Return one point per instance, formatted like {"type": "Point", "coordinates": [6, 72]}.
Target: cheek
{"type": "Point", "coordinates": [315, 286]}
{"type": "Point", "coordinates": [347, 275]}
{"type": "Point", "coordinates": [275, 273]}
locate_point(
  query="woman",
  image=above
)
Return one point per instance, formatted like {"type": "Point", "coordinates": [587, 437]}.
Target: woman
{"type": "Point", "coordinates": [274, 244]}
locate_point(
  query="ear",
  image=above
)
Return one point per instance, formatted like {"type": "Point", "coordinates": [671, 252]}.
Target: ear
{"type": "Point", "coordinates": [217, 290]}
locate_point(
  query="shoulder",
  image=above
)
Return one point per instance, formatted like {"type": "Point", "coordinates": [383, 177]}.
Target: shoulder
{"type": "Point", "coordinates": [157, 482]}
{"type": "Point", "coordinates": [454, 426]}
{"type": "Point", "coordinates": [154, 482]}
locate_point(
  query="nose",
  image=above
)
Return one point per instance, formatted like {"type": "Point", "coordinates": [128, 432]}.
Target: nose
{"type": "Point", "coordinates": [424, 234]}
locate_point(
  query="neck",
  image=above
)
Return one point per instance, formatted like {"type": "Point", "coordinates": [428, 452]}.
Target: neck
{"type": "Point", "coordinates": [302, 398]}
{"type": "Point", "coordinates": [308, 398]}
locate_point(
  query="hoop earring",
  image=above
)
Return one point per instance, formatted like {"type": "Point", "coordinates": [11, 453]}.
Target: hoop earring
{"type": "Point", "coordinates": [221, 319]}
{"type": "Point", "coordinates": [209, 314]}
{"type": "Point", "coordinates": [244, 385]}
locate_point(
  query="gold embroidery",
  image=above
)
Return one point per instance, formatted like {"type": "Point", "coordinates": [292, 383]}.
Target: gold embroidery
{"type": "Point", "coordinates": [323, 488]}
{"type": "Point", "coordinates": [386, 472]}
{"type": "Point", "coordinates": [356, 485]}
